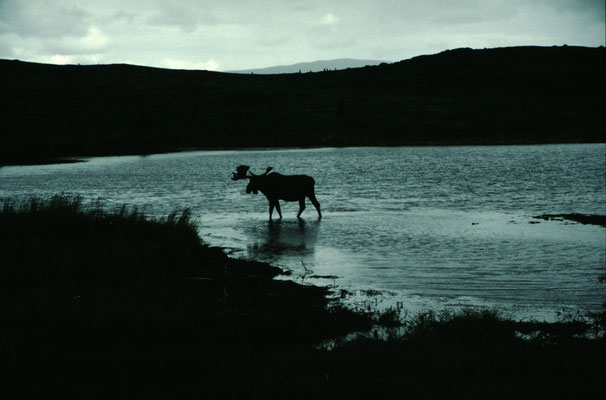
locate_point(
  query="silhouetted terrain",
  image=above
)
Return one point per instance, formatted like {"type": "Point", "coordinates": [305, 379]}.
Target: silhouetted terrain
{"type": "Point", "coordinates": [99, 304]}
{"type": "Point", "coordinates": [580, 218]}
{"type": "Point", "coordinates": [464, 96]}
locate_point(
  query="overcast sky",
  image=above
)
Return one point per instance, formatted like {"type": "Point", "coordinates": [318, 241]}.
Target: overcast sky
{"type": "Point", "coordinates": [242, 34]}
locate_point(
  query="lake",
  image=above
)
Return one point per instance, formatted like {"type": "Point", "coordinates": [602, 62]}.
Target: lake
{"type": "Point", "coordinates": [416, 227]}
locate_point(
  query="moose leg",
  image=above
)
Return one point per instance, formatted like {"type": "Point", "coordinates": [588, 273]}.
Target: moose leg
{"type": "Point", "coordinates": [271, 209]}
{"type": "Point", "coordinates": [278, 208]}
{"type": "Point", "coordinates": [301, 207]}
{"type": "Point", "coordinates": [316, 204]}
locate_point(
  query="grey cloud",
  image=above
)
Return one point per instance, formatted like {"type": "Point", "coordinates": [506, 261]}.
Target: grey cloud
{"type": "Point", "coordinates": [184, 15]}
{"type": "Point", "coordinates": [329, 33]}
{"type": "Point", "coordinates": [120, 16]}
{"type": "Point", "coordinates": [94, 42]}
{"type": "Point", "coordinates": [37, 18]}
{"type": "Point", "coordinates": [6, 50]}
{"type": "Point", "coordinates": [274, 41]}
{"type": "Point", "coordinates": [474, 11]}
{"type": "Point", "coordinates": [415, 14]}
{"type": "Point", "coordinates": [333, 43]}
{"type": "Point", "coordinates": [593, 8]}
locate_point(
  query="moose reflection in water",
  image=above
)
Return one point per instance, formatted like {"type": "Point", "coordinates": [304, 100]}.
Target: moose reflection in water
{"type": "Point", "coordinates": [289, 240]}
{"type": "Point", "coordinates": [279, 187]}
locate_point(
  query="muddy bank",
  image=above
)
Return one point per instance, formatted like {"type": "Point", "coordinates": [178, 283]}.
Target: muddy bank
{"type": "Point", "coordinates": [587, 219]}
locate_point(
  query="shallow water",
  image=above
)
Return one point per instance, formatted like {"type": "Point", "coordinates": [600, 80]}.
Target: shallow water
{"type": "Point", "coordinates": [425, 226]}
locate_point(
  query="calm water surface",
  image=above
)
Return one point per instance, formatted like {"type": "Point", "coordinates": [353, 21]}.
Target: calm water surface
{"type": "Point", "coordinates": [427, 227]}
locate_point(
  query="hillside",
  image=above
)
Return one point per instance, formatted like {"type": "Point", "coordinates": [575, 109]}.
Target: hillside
{"type": "Point", "coordinates": [464, 96]}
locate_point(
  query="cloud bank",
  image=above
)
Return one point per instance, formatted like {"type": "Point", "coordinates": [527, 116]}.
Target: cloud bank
{"type": "Point", "coordinates": [238, 34]}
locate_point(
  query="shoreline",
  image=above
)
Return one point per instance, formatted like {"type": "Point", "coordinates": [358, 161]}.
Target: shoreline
{"type": "Point", "coordinates": [585, 219]}
{"type": "Point", "coordinates": [78, 158]}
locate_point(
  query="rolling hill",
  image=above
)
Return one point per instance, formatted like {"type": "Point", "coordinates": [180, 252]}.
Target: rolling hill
{"type": "Point", "coordinates": [463, 96]}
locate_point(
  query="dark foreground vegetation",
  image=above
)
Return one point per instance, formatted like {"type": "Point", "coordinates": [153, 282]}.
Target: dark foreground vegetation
{"type": "Point", "coordinates": [464, 96]}
{"type": "Point", "coordinates": [100, 304]}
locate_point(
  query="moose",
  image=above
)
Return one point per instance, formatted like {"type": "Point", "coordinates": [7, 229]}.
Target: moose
{"type": "Point", "coordinates": [277, 187]}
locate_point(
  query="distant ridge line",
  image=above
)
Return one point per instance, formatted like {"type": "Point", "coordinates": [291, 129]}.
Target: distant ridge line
{"type": "Point", "coordinates": [312, 66]}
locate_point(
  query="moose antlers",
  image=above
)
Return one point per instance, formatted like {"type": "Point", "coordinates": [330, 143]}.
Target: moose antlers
{"type": "Point", "coordinates": [242, 170]}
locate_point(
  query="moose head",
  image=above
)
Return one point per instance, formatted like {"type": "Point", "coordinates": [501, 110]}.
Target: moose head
{"type": "Point", "coordinates": [242, 172]}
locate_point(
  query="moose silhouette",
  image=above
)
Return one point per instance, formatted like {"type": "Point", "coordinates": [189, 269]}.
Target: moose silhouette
{"type": "Point", "coordinates": [277, 187]}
